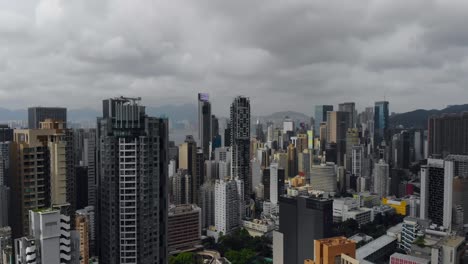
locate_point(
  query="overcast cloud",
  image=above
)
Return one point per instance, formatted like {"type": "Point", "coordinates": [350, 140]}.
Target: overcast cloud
{"type": "Point", "coordinates": [284, 55]}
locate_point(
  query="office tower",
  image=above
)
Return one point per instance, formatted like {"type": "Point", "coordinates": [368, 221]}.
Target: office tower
{"type": "Point", "coordinates": [82, 226]}
{"type": "Point", "coordinates": [211, 171]}
{"type": "Point", "coordinates": [48, 240]}
{"type": "Point", "coordinates": [89, 162]}
{"type": "Point", "coordinates": [447, 134]}
{"type": "Point", "coordinates": [227, 135]}
{"type": "Point", "coordinates": [204, 123]}
{"type": "Point", "coordinates": [227, 206]}
{"type": "Point", "coordinates": [288, 126]}
{"type": "Point", "coordinates": [304, 162]}
{"type": "Point", "coordinates": [215, 137]}
{"type": "Point", "coordinates": [321, 115]}
{"type": "Point", "coordinates": [302, 142]}
{"type": "Point", "coordinates": [381, 123]}
{"type": "Point", "coordinates": [133, 180]}
{"type": "Point", "coordinates": [4, 205]}
{"type": "Point", "coordinates": [329, 250]}
{"type": "Point", "coordinates": [277, 178]}
{"type": "Point", "coordinates": [81, 186]}
{"type": "Point", "coordinates": [6, 133]}
{"type": "Point", "coordinates": [436, 191]}
{"type": "Point", "coordinates": [259, 134]}
{"type": "Point", "coordinates": [322, 137]}
{"type": "Point", "coordinates": [292, 161]}
{"type": "Point", "coordinates": [39, 114]}
{"type": "Point", "coordinates": [352, 139]}
{"type": "Point", "coordinates": [184, 227]}
{"type": "Point", "coordinates": [381, 179]}
{"type": "Point", "coordinates": [181, 188]}
{"type": "Point", "coordinates": [207, 204]}
{"type": "Point", "coordinates": [303, 220]}
{"type": "Point", "coordinates": [418, 145]}
{"type": "Point", "coordinates": [42, 171]}
{"type": "Point", "coordinates": [401, 150]}
{"type": "Point", "coordinates": [337, 126]}
{"type": "Point", "coordinates": [266, 183]}
{"type": "Point", "coordinates": [349, 108]}
{"type": "Point", "coordinates": [188, 160]}
{"type": "Point", "coordinates": [323, 177]}
{"type": "Point", "coordinates": [89, 213]}
{"type": "Point", "coordinates": [256, 172]}
{"type": "Point", "coordinates": [240, 142]}
{"type": "Point", "coordinates": [357, 156]}
{"type": "Point", "coordinates": [173, 151]}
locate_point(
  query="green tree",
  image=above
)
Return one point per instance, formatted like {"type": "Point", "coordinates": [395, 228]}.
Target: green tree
{"type": "Point", "coordinates": [183, 258]}
{"type": "Point", "coordinates": [240, 257]}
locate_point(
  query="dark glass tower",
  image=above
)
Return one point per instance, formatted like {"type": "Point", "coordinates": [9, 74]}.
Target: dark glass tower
{"type": "Point", "coordinates": [132, 184]}
{"type": "Point", "coordinates": [240, 142]}
{"type": "Point", "coordinates": [39, 114]}
{"type": "Point", "coordinates": [381, 119]}
{"type": "Point", "coordinates": [204, 123]}
{"type": "Point", "coordinates": [321, 116]}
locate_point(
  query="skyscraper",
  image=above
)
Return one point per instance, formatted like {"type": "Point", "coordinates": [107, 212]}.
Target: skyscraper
{"type": "Point", "coordinates": [204, 123]}
{"type": "Point", "coordinates": [447, 134]}
{"type": "Point", "coordinates": [42, 171]}
{"type": "Point", "coordinates": [337, 127]}
{"type": "Point", "coordinates": [381, 179]}
{"type": "Point", "coordinates": [350, 108]}
{"type": "Point", "coordinates": [39, 114]}
{"type": "Point", "coordinates": [188, 161]}
{"type": "Point", "coordinates": [133, 180]}
{"type": "Point", "coordinates": [321, 115]}
{"type": "Point", "coordinates": [436, 191]}
{"type": "Point", "coordinates": [240, 142]}
{"type": "Point", "coordinates": [381, 123]}
{"type": "Point", "coordinates": [303, 220]}
{"type": "Point", "coordinates": [227, 207]}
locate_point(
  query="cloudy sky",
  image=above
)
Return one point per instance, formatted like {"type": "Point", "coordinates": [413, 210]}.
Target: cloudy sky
{"type": "Point", "coordinates": [284, 55]}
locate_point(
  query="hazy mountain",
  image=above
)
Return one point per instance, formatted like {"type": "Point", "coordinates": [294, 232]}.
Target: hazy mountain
{"type": "Point", "coordinates": [418, 118]}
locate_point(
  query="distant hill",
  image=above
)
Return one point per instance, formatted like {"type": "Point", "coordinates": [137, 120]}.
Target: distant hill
{"type": "Point", "coordinates": [418, 118]}
{"type": "Point", "coordinates": [278, 117]}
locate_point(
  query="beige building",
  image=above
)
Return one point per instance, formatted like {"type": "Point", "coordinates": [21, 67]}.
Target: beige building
{"type": "Point", "coordinates": [42, 169]}
{"type": "Point", "coordinates": [333, 250]}
{"type": "Point", "coordinates": [82, 226]}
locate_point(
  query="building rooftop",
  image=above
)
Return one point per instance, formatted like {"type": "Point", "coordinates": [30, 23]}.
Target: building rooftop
{"type": "Point", "coordinates": [335, 241]}
{"type": "Point", "coordinates": [411, 258]}
{"type": "Point", "coordinates": [366, 250]}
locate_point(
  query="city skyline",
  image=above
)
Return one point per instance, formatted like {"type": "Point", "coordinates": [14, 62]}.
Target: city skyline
{"type": "Point", "coordinates": [328, 53]}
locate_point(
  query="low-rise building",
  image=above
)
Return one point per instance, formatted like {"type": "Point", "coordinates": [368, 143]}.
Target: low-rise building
{"type": "Point", "coordinates": [398, 258]}
{"type": "Point", "coordinates": [258, 227]}
{"type": "Point", "coordinates": [401, 206]}
{"type": "Point", "coordinates": [184, 227]}
{"type": "Point", "coordinates": [377, 250]}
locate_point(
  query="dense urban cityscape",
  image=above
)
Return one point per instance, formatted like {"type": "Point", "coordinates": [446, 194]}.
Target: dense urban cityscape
{"type": "Point", "coordinates": [343, 186]}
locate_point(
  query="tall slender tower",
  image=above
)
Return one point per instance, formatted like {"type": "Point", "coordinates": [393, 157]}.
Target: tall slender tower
{"type": "Point", "coordinates": [381, 119]}
{"type": "Point", "coordinates": [204, 123]}
{"type": "Point", "coordinates": [132, 184]}
{"type": "Point", "coordinates": [240, 142]}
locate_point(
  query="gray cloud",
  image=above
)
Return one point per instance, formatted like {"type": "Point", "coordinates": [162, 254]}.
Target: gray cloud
{"type": "Point", "coordinates": [284, 55]}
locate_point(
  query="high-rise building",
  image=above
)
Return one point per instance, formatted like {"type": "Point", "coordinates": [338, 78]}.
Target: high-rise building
{"type": "Point", "coordinates": [5, 245]}
{"type": "Point", "coordinates": [350, 108]}
{"type": "Point", "coordinates": [276, 182]}
{"type": "Point", "coordinates": [207, 204]}
{"type": "Point", "coordinates": [321, 115]}
{"type": "Point", "coordinates": [89, 161]}
{"type": "Point", "coordinates": [184, 227]}
{"type": "Point", "coordinates": [352, 139]}
{"type": "Point", "coordinates": [181, 188]}
{"type": "Point", "coordinates": [240, 142]}
{"type": "Point", "coordinates": [4, 205]}
{"type": "Point", "coordinates": [381, 123]}
{"type": "Point", "coordinates": [40, 114]}
{"type": "Point", "coordinates": [133, 180]}
{"type": "Point", "coordinates": [227, 206]}
{"type": "Point", "coordinates": [337, 126]}
{"type": "Point", "coordinates": [48, 240]}
{"type": "Point", "coordinates": [381, 179]}
{"type": "Point", "coordinates": [303, 220]}
{"type": "Point", "coordinates": [292, 161]}
{"type": "Point", "coordinates": [436, 191]}
{"type": "Point", "coordinates": [204, 123]}
{"type": "Point", "coordinates": [447, 134]}
{"type": "Point", "coordinates": [304, 161]}
{"type": "Point", "coordinates": [323, 177]}
{"type": "Point", "coordinates": [357, 157]}
{"type": "Point", "coordinates": [188, 161]}
{"type": "Point", "coordinates": [89, 213]}
{"type": "Point", "coordinates": [6, 133]}
{"type": "Point", "coordinates": [82, 226]}
{"type": "Point", "coordinates": [42, 171]}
